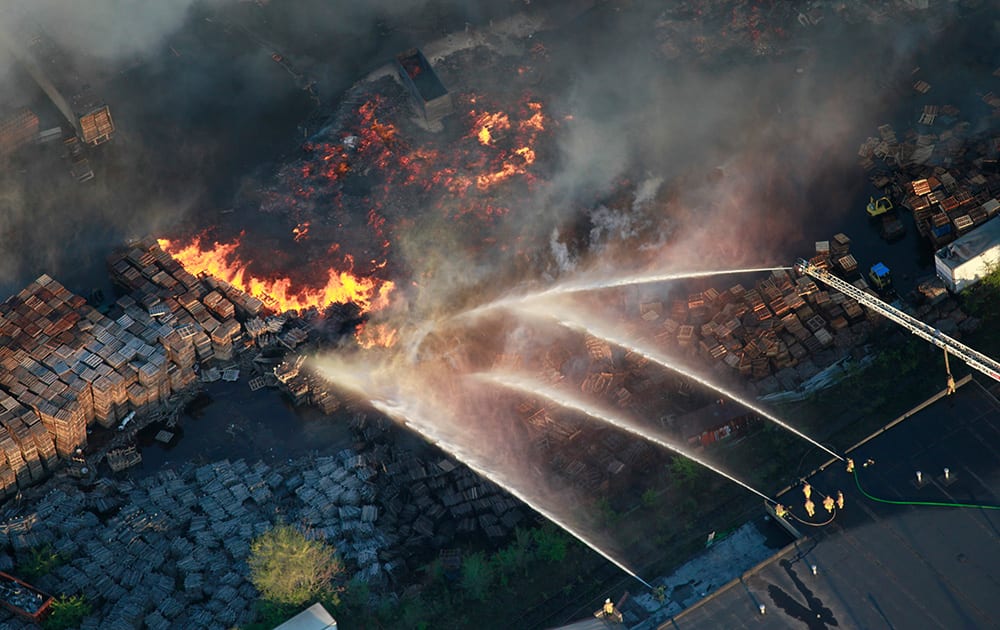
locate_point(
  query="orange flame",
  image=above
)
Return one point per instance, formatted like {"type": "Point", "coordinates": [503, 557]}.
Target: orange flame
{"type": "Point", "coordinates": [376, 336]}
{"type": "Point", "coordinates": [301, 231]}
{"type": "Point", "coordinates": [488, 123]}
{"type": "Point", "coordinates": [221, 261]}
{"type": "Point", "coordinates": [510, 167]}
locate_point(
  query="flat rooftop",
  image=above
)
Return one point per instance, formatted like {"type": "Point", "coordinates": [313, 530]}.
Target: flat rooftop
{"type": "Point", "coordinates": [967, 247]}
{"type": "Point", "coordinates": [881, 565]}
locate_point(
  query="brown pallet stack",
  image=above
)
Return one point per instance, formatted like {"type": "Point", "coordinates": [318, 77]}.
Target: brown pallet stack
{"type": "Point", "coordinates": [222, 339]}
{"type": "Point", "coordinates": [685, 335]}
{"type": "Point", "coordinates": [219, 305]}
{"type": "Point", "coordinates": [26, 443]}
{"type": "Point", "coordinates": [697, 309]}
{"type": "Point", "coordinates": [245, 305]}
{"type": "Point", "coordinates": [840, 245]}
{"type": "Point", "coordinates": [668, 332]}
{"type": "Point", "coordinates": [69, 365]}
{"type": "Point", "coordinates": [10, 463]}
{"type": "Point", "coordinates": [679, 311]}
{"type": "Point", "coordinates": [847, 264]}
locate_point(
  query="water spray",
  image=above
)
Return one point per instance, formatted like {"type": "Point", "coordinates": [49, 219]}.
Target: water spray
{"type": "Point", "coordinates": [570, 401]}
{"type": "Point", "coordinates": [409, 418]}
{"type": "Point", "coordinates": [610, 283]}
{"type": "Point", "coordinates": [577, 287]}
{"type": "Point", "coordinates": [349, 377]}
{"type": "Point", "coordinates": [607, 333]}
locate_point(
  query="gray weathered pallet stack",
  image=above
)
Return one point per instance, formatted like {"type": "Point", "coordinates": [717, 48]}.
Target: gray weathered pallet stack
{"type": "Point", "coordinates": [173, 554]}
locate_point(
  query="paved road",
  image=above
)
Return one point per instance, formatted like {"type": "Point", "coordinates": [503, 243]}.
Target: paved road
{"type": "Point", "coordinates": [890, 566]}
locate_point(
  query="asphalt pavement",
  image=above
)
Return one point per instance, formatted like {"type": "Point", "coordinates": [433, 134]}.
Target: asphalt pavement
{"type": "Point", "coordinates": [888, 565]}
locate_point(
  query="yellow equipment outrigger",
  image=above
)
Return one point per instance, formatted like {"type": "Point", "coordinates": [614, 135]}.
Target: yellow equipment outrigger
{"type": "Point", "coordinates": [878, 207]}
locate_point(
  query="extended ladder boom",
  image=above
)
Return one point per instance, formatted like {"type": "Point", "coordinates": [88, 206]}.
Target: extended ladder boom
{"type": "Point", "coordinates": [974, 359]}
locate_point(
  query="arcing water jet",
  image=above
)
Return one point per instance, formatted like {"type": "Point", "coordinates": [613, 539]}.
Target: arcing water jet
{"type": "Point", "coordinates": [594, 285]}
{"type": "Point", "coordinates": [410, 418]}
{"type": "Point", "coordinates": [571, 319]}
{"type": "Point", "coordinates": [577, 287]}
{"type": "Point", "coordinates": [571, 401]}
{"type": "Point", "coordinates": [360, 380]}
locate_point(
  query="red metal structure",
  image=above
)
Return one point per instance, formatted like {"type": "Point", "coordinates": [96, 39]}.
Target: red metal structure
{"type": "Point", "coordinates": [23, 599]}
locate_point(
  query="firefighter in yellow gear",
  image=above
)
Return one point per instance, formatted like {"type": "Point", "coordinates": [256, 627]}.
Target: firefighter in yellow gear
{"type": "Point", "coordinates": [850, 465]}
{"type": "Point", "coordinates": [828, 504]}
{"type": "Point", "coordinates": [810, 508]}
{"type": "Point", "coordinates": [780, 511]}
{"type": "Point", "coordinates": [609, 608]}
{"type": "Point", "coordinates": [840, 500]}
{"type": "Point", "coordinates": [807, 490]}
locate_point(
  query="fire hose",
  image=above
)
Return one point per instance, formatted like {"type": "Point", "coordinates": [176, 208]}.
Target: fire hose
{"type": "Point", "coordinates": [857, 481]}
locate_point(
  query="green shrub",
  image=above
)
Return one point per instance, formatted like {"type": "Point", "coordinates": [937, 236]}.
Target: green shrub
{"type": "Point", "coordinates": [67, 612]}
{"type": "Point", "coordinates": [39, 561]}
{"type": "Point", "coordinates": [551, 543]}
{"type": "Point", "coordinates": [477, 576]}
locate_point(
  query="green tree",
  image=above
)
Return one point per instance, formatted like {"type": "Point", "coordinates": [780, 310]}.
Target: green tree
{"type": "Point", "coordinates": [983, 297]}
{"type": "Point", "coordinates": [685, 471]}
{"type": "Point", "coordinates": [270, 615]}
{"type": "Point", "coordinates": [67, 612]}
{"type": "Point", "coordinates": [515, 557]}
{"type": "Point", "coordinates": [355, 596]}
{"type": "Point", "coordinates": [288, 568]}
{"type": "Point", "coordinates": [649, 498]}
{"type": "Point", "coordinates": [477, 576]}
{"type": "Point", "coordinates": [39, 561]}
{"type": "Point", "coordinates": [551, 543]}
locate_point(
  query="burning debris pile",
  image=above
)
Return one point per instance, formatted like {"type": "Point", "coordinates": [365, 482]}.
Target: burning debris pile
{"type": "Point", "coordinates": [213, 322]}
{"type": "Point", "coordinates": [943, 170]}
{"type": "Point", "coordinates": [221, 261]}
{"type": "Point", "coordinates": [372, 165]}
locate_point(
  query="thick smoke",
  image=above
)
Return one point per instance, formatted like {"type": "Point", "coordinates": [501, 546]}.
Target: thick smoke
{"type": "Point", "coordinates": [735, 156]}
{"type": "Point", "coordinates": [754, 156]}
{"type": "Point", "coordinates": [200, 108]}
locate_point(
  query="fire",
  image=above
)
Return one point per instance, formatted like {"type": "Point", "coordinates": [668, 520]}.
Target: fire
{"type": "Point", "coordinates": [522, 158]}
{"type": "Point", "coordinates": [221, 261]}
{"type": "Point", "coordinates": [536, 122]}
{"type": "Point", "coordinates": [376, 335]}
{"type": "Point", "coordinates": [301, 231]}
{"type": "Point", "coordinates": [488, 124]}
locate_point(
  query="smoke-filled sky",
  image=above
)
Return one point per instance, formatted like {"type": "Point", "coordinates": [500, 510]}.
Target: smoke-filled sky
{"type": "Point", "coordinates": [742, 154]}
{"type": "Point", "coordinates": [199, 105]}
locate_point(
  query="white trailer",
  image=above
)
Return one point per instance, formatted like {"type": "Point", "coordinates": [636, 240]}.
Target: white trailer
{"type": "Point", "coordinates": [964, 262]}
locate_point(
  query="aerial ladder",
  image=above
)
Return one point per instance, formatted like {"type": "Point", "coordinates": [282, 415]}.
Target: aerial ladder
{"type": "Point", "coordinates": [972, 358]}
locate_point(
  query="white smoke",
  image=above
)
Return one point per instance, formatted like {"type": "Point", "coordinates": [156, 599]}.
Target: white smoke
{"type": "Point", "coordinates": [560, 252]}
{"type": "Point", "coordinates": [646, 191]}
{"type": "Point", "coordinates": [608, 224]}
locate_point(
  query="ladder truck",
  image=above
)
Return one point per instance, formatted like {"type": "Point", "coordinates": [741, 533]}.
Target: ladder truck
{"type": "Point", "coordinates": [972, 358]}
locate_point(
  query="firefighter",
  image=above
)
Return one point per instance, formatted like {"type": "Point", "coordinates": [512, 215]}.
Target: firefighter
{"type": "Point", "coordinates": [840, 500]}
{"type": "Point", "coordinates": [850, 465]}
{"type": "Point", "coordinates": [780, 511]}
{"type": "Point", "coordinates": [609, 608]}
{"type": "Point", "coordinates": [810, 508]}
{"type": "Point", "coordinates": [828, 504]}
{"type": "Point", "coordinates": [807, 490]}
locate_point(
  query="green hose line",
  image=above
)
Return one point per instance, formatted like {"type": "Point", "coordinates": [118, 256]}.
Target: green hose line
{"type": "Point", "coordinates": [857, 481]}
